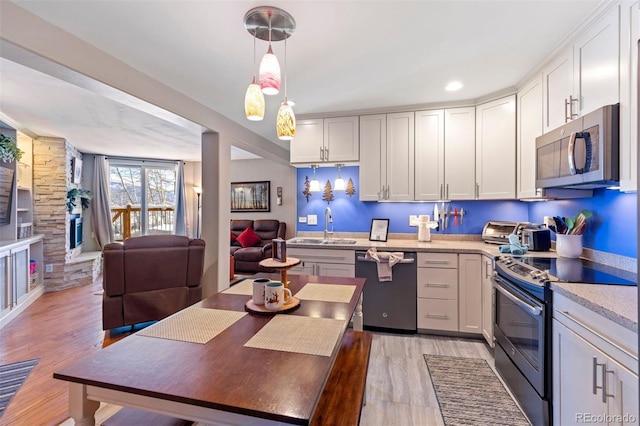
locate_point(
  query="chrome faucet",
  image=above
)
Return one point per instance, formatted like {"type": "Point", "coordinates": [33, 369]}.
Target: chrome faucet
{"type": "Point", "coordinates": [328, 218]}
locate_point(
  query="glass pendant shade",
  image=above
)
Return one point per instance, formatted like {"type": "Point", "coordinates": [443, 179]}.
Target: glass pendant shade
{"type": "Point", "coordinates": [339, 184]}
{"type": "Point", "coordinates": [314, 185]}
{"type": "Point", "coordinates": [270, 73]}
{"type": "Point", "coordinates": [286, 122]}
{"type": "Point", "coordinates": [254, 102]}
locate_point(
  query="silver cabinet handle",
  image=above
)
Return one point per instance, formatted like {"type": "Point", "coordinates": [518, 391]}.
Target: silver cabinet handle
{"type": "Point", "coordinates": [326, 154]}
{"type": "Point", "coordinates": [436, 262]}
{"type": "Point", "coordinates": [438, 316]}
{"type": "Point", "coordinates": [477, 190]}
{"type": "Point", "coordinates": [437, 285]}
{"type": "Point", "coordinates": [441, 191]}
{"type": "Point", "coordinates": [487, 273]}
{"type": "Point", "coordinates": [446, 196]}
{"type": "Point", "coordinates": [568, 109]}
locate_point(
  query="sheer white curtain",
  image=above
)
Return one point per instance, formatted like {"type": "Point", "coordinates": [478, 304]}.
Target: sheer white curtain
{"type": "Point", "coordinates": [101, 211]}
{"type": "Point", "coordinates": [180, 225]}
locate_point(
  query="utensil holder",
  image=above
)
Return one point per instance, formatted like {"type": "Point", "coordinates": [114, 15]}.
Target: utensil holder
{"type": "Point", "coordinates": [569, 245]}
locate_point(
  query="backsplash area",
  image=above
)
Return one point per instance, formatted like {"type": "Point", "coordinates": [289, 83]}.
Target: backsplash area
{"type": "Point", "coordinates": [613, 228]}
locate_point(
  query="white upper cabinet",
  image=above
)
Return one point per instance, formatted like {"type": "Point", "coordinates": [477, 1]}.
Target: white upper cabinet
{"type": "Point", "coordinates": [596, 57]}
{"type": "Point", "coordinates": [558, 90]}
{"type": "Point", "coordinates": [329, 140]}
{"type": "Point", "coordinates": [386, 163]}
{"type": "Point", "coordinates": [529, 127]}
{"type": "Point", "coordinates": [308, 143]}
{"type": "Point", "coordinates": [429, 158]}
{"type": "Point", "coordinates": [460, 153]}
{"type": "Point", "coordinates": [373, 165]}
{"type": "Point", "coordinates": [400, 156]}
{"type": "Point", "coordinates": [496, 149]}
{"type": "Point", "coordinates": [585, 76]}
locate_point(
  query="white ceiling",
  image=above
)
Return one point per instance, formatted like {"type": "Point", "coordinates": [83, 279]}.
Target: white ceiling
{"type": "Point", "coordinates": [343, 56]}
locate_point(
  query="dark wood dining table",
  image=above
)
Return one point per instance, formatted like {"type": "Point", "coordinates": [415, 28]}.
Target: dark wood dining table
{"type": "Point", "coordinates": [221, 381]}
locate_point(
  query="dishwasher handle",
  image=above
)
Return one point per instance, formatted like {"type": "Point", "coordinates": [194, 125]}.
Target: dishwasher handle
{"type": "Point", "coordinates": [364, 259]}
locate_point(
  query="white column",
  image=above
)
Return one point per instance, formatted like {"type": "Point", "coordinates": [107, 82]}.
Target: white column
{"type": "Point", "coordinates": [214, 228]}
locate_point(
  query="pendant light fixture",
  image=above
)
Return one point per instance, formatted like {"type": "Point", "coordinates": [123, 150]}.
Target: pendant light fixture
{"type": "Point", "coordinates": [272, 24]}
{"type": "Point", "coordinates": [270, 69]}
{"type": "Point", "coordinates": [314, 185]}
{"type": "Point", "coordinates": [338, 185]}
{"type": "Point", "coordinates": [286, 119]}
{"type": "Point", "coordinates": [254, 99]}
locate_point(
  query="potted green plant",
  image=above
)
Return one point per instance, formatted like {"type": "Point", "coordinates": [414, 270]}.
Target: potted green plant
{"type": "Point", "coordinates": [9, 150]}
{"type": "Point", "coordinates": [73, 194]}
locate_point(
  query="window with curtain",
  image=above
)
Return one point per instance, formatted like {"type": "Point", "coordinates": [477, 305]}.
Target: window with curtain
{"type": "Point", "coordinates": [143, 197]}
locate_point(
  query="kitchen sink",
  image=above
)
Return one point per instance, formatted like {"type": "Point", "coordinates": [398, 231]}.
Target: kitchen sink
{"type": "Point", "coordinates": [320, 241]}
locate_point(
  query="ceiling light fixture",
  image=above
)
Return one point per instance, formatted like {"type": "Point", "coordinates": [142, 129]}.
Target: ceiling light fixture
{"type": "Point", "coordinates": [273, 24]}
{"type": "Point", "coordinates": [254, 99]}
{"type": "Point", "coordinates": [453, 86]}
{"type": "Point", "coordinates": [286, 119]}
{"type": "Point", "coordinates": [338, 185]}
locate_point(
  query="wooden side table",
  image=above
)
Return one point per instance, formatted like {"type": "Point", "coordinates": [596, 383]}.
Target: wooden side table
{"type": "Point", "coordinates": [282, 266]}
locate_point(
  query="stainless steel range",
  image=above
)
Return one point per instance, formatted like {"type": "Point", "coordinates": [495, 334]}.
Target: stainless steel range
{"type": "Point", "coordinates": [523, 314]}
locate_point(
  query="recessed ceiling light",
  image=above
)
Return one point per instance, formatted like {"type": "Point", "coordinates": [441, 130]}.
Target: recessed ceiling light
{"type": "Point", "coordinates": [453, 86]}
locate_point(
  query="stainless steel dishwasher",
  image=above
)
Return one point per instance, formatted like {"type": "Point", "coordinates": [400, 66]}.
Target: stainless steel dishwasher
{"type": "Point", "coordinates": [389, 304]}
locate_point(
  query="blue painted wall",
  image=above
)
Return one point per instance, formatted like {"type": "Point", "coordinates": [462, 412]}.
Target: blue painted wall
{"type": "Point", "coordinates": [613, 229]}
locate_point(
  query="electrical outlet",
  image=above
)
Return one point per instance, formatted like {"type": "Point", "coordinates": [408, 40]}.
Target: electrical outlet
{"type": "Point", "coordinates": [312, 219]}
{"type": "Point", "coordinates": [413, 220]}
{"type": "Point", "coordinates": [49, 267]}
{"type": "Point", "coordinates": [302, 219]}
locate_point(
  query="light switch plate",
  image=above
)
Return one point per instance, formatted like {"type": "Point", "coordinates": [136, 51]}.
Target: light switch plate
{"type": "Point", "coordinates": [413, 220]}
{"type": "Point", "coordinates": [302, 219]}
{"type": "Point", "coordinates": [312, 219]}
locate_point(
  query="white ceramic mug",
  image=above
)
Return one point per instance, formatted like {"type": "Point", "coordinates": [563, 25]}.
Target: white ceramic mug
{"type": "Point", "coordinates": [258, 290]}
{"type": "Point", "coordinates": [276, 296]}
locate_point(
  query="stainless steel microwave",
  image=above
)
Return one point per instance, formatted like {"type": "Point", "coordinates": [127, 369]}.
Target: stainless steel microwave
{"type": "Point", "coordinates": [583, 153]}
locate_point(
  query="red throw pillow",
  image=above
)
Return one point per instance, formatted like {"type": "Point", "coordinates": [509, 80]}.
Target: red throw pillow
{"type": "Point", "coordinates": [233, 237]}
{"type": "Point", "coordinates": [248, 238]}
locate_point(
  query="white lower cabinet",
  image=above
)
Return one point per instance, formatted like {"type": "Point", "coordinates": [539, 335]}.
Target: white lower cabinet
{"type": "Point", "coordinates": [470, 293]}
{"type": "Point", "coordinates": [595, 368]}
{"type": "Point", "coordinates": [438, 291]}
{"type": "Point", "coordinates": [15, 287]}
{"type": "Point", "coordinates": [450, 292]}
{"type": "Point", "coordinates": [325, 262]}
{"type": "Point", "coordinates": [488, 301]}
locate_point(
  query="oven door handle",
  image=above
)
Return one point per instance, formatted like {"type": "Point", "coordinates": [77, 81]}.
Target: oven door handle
{"type": "Point", "coordinates": [534, 310]}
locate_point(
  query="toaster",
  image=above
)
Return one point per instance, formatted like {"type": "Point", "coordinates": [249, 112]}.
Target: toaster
{"type": "Point", "coordinates": [536, 239]}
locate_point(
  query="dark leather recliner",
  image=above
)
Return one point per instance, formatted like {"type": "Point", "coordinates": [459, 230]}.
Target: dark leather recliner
{"type": "Point", "coordinates": [150, 277]}
{"type": "Point", "coordinates": [247, 259]}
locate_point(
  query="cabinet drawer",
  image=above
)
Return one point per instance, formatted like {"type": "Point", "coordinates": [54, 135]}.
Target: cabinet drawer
{"type": "Point", "coordinates": [323, 255]}
{"type": "Point", "coordinates": [438, 283]}
{"type": "Point", "coordinates": [437, 314]}
{"type": "Point", "coordinates": [437, 260]}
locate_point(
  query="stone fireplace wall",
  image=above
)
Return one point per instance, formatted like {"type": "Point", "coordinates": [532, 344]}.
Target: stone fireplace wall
{"type": "Point", "coordinates": [52, 177]}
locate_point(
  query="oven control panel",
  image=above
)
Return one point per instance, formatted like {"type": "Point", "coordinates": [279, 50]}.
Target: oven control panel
{"type": "Point", "coordinates": [513, 269]}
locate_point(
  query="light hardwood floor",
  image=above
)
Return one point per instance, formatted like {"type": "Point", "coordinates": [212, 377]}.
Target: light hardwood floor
{"type": "Point", "coordinates": [62, 327]}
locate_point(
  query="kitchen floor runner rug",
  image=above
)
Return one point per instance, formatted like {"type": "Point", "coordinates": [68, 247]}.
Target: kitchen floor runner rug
{"type": "Point", "coordinates": [469, 393]}
{"type": "Point", "coordinates": [12, 376]}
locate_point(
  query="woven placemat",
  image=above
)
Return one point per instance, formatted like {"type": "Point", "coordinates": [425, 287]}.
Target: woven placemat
{"type": "Point", "coordinates": [195, 325]}
{"type": "Point", "coordinates": [304, 335]}
{"type": "Point", "coordinates": [326, 292]}
{"type": "Point", "coordinates": [244, 287]}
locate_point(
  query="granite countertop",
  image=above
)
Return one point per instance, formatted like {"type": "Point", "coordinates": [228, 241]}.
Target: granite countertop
{"type": "Point", "coordinates": [617, 303]}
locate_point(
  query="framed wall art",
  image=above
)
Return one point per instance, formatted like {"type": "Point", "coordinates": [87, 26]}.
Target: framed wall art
{"type": "Point", "coordinates": [76, 170]}
{"type": "Point", "coordinates": [251, 196]}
